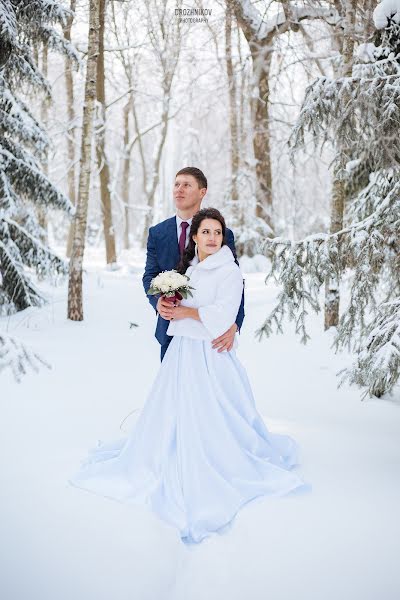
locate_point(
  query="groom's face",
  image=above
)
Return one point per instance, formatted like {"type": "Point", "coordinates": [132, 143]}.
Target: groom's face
{"type": "Point", "coordinates": [187, 193]}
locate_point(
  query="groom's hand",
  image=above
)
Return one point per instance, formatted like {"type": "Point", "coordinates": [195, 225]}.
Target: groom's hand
{"type": "Point", "coordinates": [225, 341]}
{"type": "Point", "coordinates": [165, 309]}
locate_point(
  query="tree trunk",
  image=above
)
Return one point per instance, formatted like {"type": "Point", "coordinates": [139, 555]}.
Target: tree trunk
{"type": "Point", "coordinates": [69, 88]}
{"type": "Point", "coordinates": [233, 119]}
{"type": "Point", "coordinates": [242, 129]}
{"type": "Point", "coordinates": [75, 307]}
{"type": "Point", "coordinates": [156, 174]}
{"type": "Point", "coordinates": [261, 49]}
{"type": "Point", "coordinates": [143, 164]}
{"type": "Point", "coordinates": [368, 8]}
{"type": "Point", "coordinates": [332, 292]}
{"type": "Point", "coordinates": [42, 216]}
{"type": "Point", "coordinates": [332, 286]}
{"type": "Point", "coordinates": [125, 174]}
{"type": "Point", "coordinates": [261, 139]}
{"type": "Point", "coordinates": [104, 171]}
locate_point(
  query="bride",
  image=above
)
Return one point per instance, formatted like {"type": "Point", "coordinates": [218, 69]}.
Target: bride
{"type": "Point", "coordinates": [199, 450]}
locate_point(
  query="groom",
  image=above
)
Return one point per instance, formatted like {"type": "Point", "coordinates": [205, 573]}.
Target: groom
{"type": "Point", "coordinates": [165, 245]}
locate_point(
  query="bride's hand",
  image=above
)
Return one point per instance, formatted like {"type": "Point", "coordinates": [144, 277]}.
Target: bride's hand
{"type": "Point", "coordinates": [165, 308]}
{"type": "Point", "coordinates": [179, 312]}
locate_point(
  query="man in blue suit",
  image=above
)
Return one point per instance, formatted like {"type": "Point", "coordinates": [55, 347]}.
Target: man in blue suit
{"type": "Point", "coordinates": [165, 244]}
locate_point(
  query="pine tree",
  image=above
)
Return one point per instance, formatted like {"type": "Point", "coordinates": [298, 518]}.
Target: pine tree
{"type": "Point", "coordinates": [25, 25]}
{"type": "Point", "coordinates": [359, 112]}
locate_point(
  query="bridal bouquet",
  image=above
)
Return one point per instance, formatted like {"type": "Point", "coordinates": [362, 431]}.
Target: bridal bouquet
{"type": "Point", "coordinates": [172, 285]}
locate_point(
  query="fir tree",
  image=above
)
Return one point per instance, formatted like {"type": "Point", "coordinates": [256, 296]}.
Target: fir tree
{"type": "Point", "coordinates": [361, 113]}
{"type": "Point", "coordinates": [24, 25]}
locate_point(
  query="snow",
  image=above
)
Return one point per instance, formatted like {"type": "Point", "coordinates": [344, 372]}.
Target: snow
{"type": "Point", "coordinates": [254, 19]}
{"type": "Point", "coordinates": [352, 164]}
{"type": "Point", "coordinates": [339, 541]}
{"type": "Point", "coordinates": [366, 52]}
{"type": "Point", "coordinates": [8, 21]}
{"type": "Point", "coordinates": [261, 29]}
{"type": "Point", "coordinates": [256, 264]}
{"type": "Point", "coordinates": [385, 10]}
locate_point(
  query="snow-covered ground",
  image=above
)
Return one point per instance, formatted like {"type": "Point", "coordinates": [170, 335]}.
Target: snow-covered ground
{"type": "Point", "coordinates": [341, 541]}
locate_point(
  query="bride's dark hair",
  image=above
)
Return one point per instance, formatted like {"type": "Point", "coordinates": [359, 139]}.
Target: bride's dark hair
{"type": "Point", "coordinates": [204, 213]}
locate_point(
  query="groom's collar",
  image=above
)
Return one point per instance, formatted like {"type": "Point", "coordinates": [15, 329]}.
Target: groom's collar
{"type": "Point", "coordinates": [179, 220]}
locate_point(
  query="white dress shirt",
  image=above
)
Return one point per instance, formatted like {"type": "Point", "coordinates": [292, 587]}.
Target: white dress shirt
{"type": "Point", "coordinates": [179, 228]}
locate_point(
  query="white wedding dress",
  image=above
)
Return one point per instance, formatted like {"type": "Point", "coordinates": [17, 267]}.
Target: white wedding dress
{"type": "Point", "coordinates": [199, 450]}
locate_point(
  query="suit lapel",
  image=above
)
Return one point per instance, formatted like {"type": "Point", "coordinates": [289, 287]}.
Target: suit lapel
{"type": "Point", "coordinates": [171, 242]}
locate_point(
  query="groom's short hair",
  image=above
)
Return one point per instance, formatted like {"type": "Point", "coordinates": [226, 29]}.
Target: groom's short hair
{"type": "Point", "coordinates": [197, 174]}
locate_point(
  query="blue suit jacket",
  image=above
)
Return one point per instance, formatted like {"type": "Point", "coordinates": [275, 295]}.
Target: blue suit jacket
{"type": "Point", "coordinates": [163, 255]}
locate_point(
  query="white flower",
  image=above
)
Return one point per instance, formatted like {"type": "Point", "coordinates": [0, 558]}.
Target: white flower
{"type": "Point", "coordinates": [169, 281]}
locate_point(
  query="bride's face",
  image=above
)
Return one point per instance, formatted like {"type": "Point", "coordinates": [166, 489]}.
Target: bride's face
{"type": "Point", "coordinates": [209, 237]}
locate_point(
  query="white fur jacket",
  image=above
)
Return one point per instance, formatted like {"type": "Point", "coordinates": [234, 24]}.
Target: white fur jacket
{"type": "Point", "coordinates": [218, 284]}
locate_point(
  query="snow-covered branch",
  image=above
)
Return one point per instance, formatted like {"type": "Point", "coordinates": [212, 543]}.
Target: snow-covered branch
{"type": "Point", "coordinates": [302, 267]}
{"type": "Point", "coordinates": [18, 357]}
{"type": "Point", "coordinates": [255, 28]}
{"type": "Point", "coordinates": [377, 368]}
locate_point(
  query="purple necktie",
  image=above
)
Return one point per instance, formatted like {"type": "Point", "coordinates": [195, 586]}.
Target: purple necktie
{"type": "Point", "coordinates": [182, 238]}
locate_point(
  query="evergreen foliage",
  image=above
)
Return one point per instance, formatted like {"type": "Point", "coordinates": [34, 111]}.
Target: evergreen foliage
{"type": "Point", "coordinates": [360, 114]}
{"type": "Point", "coordinates": [24, 26]}
{"type": "Point", "coordinates": [19, 358]}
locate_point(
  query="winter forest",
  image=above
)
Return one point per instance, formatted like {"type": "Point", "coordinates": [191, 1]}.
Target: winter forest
{"type": "Point", "coordinates": [292, 110]}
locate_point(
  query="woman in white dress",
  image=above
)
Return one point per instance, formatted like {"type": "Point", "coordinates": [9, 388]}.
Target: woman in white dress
{"type": "Point", "coordinates": [199, 450]}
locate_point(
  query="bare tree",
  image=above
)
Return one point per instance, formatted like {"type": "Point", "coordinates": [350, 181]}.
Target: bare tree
{"type": "Point", "coordinates": [233, 116]}
{"type": "Point", "coordinates": [44, 115]}
{"type": "Point", "coordinates": [129, 51]}
{"type": "Point", "coordinates": [75, 304]}
{"type": "Point", "coordinates": [69, 88]}
{"type": "Point", "coordinates": [104, 171]}
{"type": "Point", "coordinates": [164, 32]}
{"type": "Point", "coordinates": [126, 167]}
{"type": "Point", "coordinates": [148, 38]}
{"type": "Point", "coordinates": [260, 35]}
